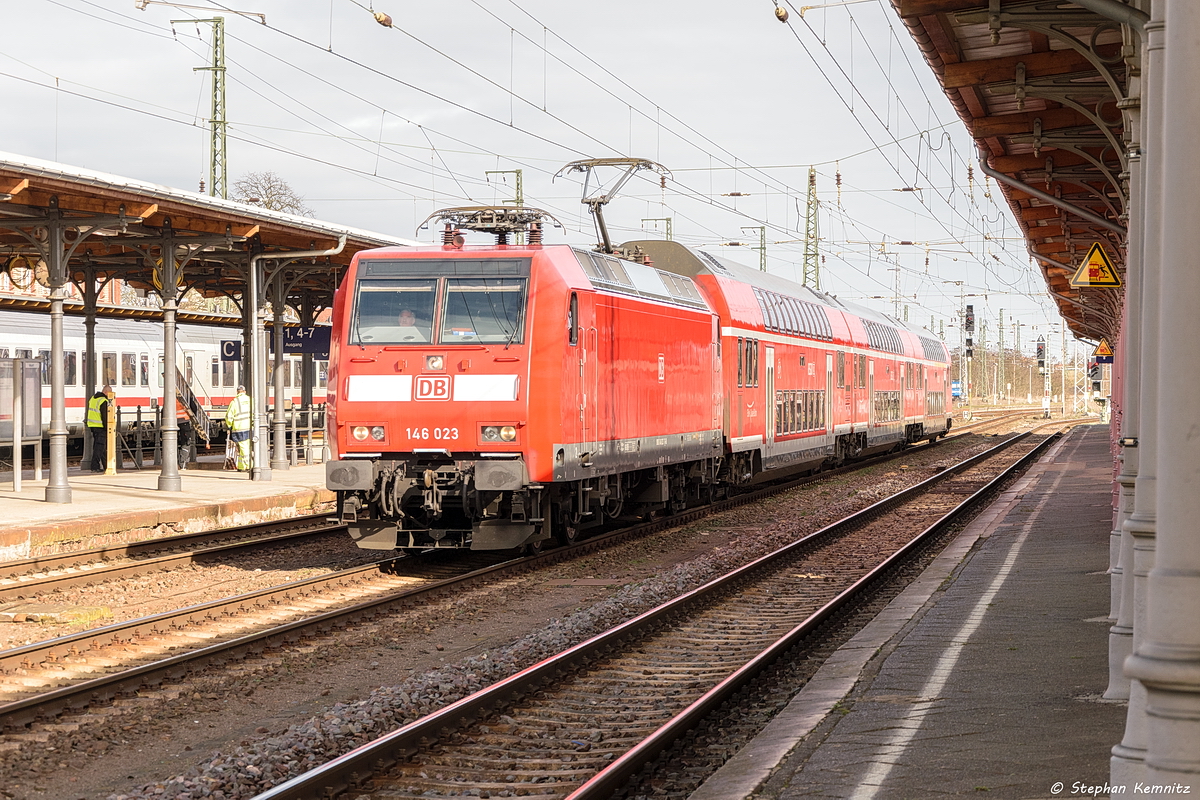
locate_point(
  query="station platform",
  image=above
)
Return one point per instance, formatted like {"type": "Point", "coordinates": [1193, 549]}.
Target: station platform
{"type": "Point", "coordinates": [128, 506]}
{"type": "Point", "coordinates": [985, 677]}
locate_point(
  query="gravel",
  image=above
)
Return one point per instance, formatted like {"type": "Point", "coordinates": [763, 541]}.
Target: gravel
{"type": "Point", "coordinates": [760, 528]}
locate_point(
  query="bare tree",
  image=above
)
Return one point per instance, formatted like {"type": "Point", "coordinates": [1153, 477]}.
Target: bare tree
{"type": "Point", "coordinates": [268, 190]}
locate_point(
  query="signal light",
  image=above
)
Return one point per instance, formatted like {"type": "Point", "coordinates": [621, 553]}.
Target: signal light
{"type": "Point", "coordinates": [969, 319]}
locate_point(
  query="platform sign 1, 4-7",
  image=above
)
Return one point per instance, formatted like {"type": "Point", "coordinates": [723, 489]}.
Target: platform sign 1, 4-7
{"type": "Point", "coordinates": [956, 388]}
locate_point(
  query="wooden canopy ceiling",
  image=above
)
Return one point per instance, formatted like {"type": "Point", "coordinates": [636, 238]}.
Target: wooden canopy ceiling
{"type": "Point", "coordinates": [127, 225]}
{"type": "Point", "coordinates": [1045, 89]}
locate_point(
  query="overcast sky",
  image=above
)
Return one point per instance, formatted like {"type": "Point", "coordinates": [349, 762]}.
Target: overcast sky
{"type": "Point", "coordinates": [379, 127]}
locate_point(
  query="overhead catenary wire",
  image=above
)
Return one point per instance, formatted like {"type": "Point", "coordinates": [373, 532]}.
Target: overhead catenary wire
{"type": "Point", "coordinates": [681, 191]}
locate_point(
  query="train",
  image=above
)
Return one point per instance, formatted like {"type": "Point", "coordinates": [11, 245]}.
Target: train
{"type": "Point", "coordinates": [503, 395]}
{"type": "Point", "coordinates": [129, 358]}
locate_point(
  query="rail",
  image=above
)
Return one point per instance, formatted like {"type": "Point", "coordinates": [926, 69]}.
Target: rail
{"type": "Point", "coordinates": [353, 771]}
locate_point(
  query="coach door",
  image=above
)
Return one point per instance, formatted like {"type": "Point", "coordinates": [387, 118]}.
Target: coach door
{"type": "Point", "coordinates": [828, 409]}
{"type": "Point", "coordinates": [769, 395]}
{"type": "Point", "coordinates": [588, 368]}
{"type": "Point", "coordinates": [871, 394]}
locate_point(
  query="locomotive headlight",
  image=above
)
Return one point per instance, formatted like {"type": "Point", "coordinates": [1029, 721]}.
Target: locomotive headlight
{"type": "Point", "coordinates": [377, 433]}
{"type": "Point", "coordinates": [498, 433]}
{"type": "Point", "coordinates": [435, 363]}
{"type": "Point", "coordinates": [361, 432]}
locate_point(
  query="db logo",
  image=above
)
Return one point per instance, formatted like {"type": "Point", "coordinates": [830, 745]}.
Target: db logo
{"type": "Point", "coordinates": [433, 387]}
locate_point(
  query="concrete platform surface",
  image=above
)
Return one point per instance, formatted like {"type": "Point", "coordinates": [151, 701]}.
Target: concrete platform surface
{"type": "Point", "coordinates": [983, 678]}
{"type": "Point", "coordinates": [129, 506]}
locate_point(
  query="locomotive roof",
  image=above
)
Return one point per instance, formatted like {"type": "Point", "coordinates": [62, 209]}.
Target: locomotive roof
{"type": "Point", "coordinates": [683, 260]}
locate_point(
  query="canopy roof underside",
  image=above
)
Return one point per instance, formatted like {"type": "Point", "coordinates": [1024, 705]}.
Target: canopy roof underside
{"type": "Point", "coordinates": [1045, 89]}
{"type": "Point", "coordinates": [126, 226]}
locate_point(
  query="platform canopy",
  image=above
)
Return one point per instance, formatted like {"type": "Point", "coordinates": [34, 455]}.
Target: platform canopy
{"type": "Point", "coordinates": [128, 223]}
{"type": "Point", "coordinates": [1044, 87]}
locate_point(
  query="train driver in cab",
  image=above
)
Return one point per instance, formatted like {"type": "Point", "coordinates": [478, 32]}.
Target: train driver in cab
{"type": "Point", "coordinates": [410, 328]}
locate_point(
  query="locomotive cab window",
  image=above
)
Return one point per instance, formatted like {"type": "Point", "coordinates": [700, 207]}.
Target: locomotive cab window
{"type": "Point", "coordinates": [487, 310]}
{"type": "Point", "coordinates": [396, 311]}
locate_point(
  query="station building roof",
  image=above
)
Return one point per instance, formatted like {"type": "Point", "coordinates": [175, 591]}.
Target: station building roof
{"type": "Point", "coordinates": [216, 236]}
{"type": "Point", "coordinates": [1048, 90]}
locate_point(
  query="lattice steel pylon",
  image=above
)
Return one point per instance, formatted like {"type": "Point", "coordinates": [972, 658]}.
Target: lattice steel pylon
{"type": "Point", "coordinates": [812, 253]}
{"type": "Point", "coordinates": [218, 168]}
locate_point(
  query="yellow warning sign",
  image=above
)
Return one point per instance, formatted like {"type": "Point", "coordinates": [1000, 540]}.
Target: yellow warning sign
{"type": "Point", "coordinates": [1103, 349]}
{"type": "Point", "coordinates": [1096, 271]}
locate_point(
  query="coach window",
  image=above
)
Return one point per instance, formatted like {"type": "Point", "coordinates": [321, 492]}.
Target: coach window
{"type": "Point", "coordinates": [144, 370]}
{"type": "Point", "coordinates": [108, 369]}
{"type": "Point", "coordinates": [841, 369]}
{"type": "Point", "coordinates": [754, 361]}
{"type": "Point", "coordinates": [216, 372]}
{"type": "Point", "coordinates": [573, 321]}
{"type": "Point", "coordinates": [129, 369]}
{"type": "Point", "coordinates": [741, 348]}
{"type": "Point", "coordinates": [191, 377]}
{"type": "Point", "coordinates": [161, 369]}
{"type": "Point", "coordinates": [44, 357]}
{"type": "Point", "coordinates": [227, 373]}
{"type": "Point", "coordinates": [69, 368]}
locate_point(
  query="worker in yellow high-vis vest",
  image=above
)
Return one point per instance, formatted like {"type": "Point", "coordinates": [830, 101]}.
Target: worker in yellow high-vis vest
{"type": "Point", "coordinates": [97, 425]}
{"type": "Point", "coordinates": [237, 418]}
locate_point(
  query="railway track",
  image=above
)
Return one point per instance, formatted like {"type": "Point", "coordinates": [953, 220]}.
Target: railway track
{"type": "Point", "coordinates": [30, 577]}
{"type": "Point", "coordinates": [584, 723]}
{"type": "Point", "coordinates": [42, 574]}
{"type": "Point", "coordinates": [42, 680]}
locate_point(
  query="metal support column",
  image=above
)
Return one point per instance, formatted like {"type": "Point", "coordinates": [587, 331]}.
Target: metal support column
{"type": "Point", "coordinates": [90, 293]}
{"type": "Point", "coordinates": [58, 490]}
{"type": "Point", "coordinates": [1166, 660]}
{"type": "Point", "coordinates": [279, 459]}
{"type": "Point", "coordinates": [1120, 640]}
{"type": "Point", "coordinates": [260, 470]}
{"type": "Point", "coordinates": [168, 479]}
{"type": "Point", "coordinates": [1128, 764]}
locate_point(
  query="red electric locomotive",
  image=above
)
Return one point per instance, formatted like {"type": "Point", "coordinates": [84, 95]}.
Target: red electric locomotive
{"type": "Point", "coordinates": [493, 397]}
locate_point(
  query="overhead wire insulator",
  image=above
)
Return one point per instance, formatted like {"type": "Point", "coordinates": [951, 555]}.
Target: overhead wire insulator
{"type": "Point", "coordinates": [781, 13]}
{"type": "Point", "coordinates": [382, 18]}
